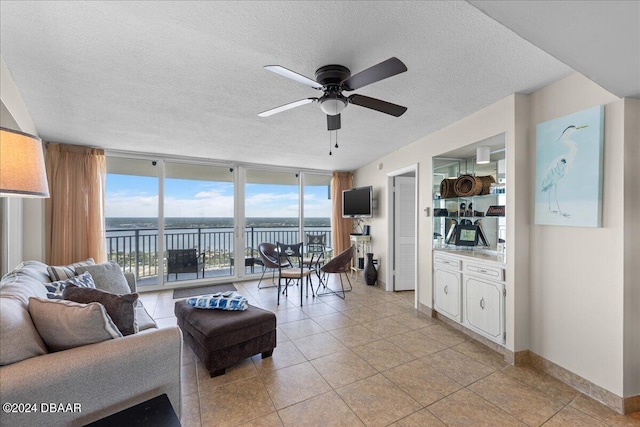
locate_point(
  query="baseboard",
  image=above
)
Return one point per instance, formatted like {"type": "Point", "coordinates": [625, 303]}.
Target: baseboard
{"type": "Point", "coordinates": [492, 345]}
{"type": "Point", "coordinates": [426, 310]}
{"type": "Point", "coordinates": [518, 358]}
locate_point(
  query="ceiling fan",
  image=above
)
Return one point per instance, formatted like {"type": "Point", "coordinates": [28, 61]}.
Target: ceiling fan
{"type": "Point", "coordinates": [332, 80]}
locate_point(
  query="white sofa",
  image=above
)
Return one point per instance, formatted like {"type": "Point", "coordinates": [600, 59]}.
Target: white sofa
{"type": "Point", "coordinates": [85, 383]}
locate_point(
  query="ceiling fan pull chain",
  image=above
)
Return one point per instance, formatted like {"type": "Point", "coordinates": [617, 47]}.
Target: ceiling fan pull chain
{"type": "Point", "coordinates": [330, 153]}
{"type": "Point", "coordinates": [336, 138]}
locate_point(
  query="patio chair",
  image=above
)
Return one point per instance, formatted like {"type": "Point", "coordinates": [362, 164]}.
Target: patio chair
{"type": "Point", "coordinates": [270, 259]}
{"type": "Point", "coordinates": [297, 271]}
{"type": "Point", "coordinates": [316, 244]}
{"type": "Point", "coordinates": [339, 265]}
{"type": "Point", "coordinates": [184, 261]}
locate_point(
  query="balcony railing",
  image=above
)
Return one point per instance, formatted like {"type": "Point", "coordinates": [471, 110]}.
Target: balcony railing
{"type": "Point", "coordinates": [136, 250]}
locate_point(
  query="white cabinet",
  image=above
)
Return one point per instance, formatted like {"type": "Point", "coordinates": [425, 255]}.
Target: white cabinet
{"type": "Point", "coordinates": [471, 291]}
{"type": "Point", "coordinates": [484, 307]}
{"type": "Point", "coordinates": [447, 284]}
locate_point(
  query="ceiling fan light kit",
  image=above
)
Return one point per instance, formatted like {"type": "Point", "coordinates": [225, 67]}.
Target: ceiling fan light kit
{"type": "Point", "coordinates": [333, 80]}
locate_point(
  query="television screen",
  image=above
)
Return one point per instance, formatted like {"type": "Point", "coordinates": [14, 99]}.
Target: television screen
{"type": "Point", "coordinates": [357, 202]}
{"type": "Point", "coordinates": [466, 235]}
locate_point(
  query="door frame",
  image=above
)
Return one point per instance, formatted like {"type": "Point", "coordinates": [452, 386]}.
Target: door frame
{"type": "Point", "coordinates": [390, 225]}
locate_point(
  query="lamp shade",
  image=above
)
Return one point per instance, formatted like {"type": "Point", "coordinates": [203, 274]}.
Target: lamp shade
{"type": "Point", "coordinates": [22, 171]}
{"type": "Point", "coordinates": [483, 155]}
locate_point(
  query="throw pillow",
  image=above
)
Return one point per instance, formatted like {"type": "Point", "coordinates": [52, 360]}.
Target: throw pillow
{"type": "Point", "coordinates": [66, 324]}
{"type": "Point", "coordinates": [121, 308]}
{"type": "Point", "coordinates": [68, 271]}
{"type": "Point", "coordinates": [220, 301]}
{"type": "Point", "coordinates": [143, 319]}
{"type": "Point", "coordinates": [108, 277]}
{"type": "Point", "coordinates": [18, 335]}
{"type": "Point", "coordinates": [55, 289]}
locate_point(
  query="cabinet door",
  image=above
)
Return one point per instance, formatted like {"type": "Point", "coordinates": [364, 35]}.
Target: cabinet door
{"type": "Point", "coordinates": [484, 307]}
{"type": "Point", "coordinates": [447, 293]}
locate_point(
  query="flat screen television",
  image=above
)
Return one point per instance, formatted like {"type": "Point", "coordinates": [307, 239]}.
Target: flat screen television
{"type": "Point", "coordinates": [357, 203]}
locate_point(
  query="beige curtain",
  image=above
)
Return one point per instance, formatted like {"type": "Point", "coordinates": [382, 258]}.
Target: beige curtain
{"type": "Point", "coordinates": [74, 222]}
{"type": "Point", "coordinates": [341, 227]}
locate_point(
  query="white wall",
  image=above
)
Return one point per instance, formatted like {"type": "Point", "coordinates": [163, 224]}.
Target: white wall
{"type": "Point", "coordinates": [577, 272]}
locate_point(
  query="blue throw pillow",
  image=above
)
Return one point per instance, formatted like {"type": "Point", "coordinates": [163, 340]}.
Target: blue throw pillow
{"type": "Point", "coordinates": [55, 289]}
{"type": "Point", "coordinates": [220, 301]}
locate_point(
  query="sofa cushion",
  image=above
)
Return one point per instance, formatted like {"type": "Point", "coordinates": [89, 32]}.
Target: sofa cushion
{"type": "Point", "coordinates": [57, 272]}
{"type": "Point", "coordinates": [55, 289]}
{"type": "Point", "coordinates": [21, 287]}
{"type": "Point", "coordinates": [66, 324]}
{"type": "Point", "coordinates": [19, 337]}
{"type": "Point", "coordinates": [108, 277]}
{"type": "Point", "coordinates": [34, 269]}
{"type": "Point", "coordinates": [121, 308]}
{"type": "Point", "coordinates": [143, 319]}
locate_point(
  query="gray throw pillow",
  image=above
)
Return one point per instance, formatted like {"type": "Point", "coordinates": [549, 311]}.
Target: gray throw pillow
{"type": "Point", "coordinates": [60, 272]}
{"type": "Point", "coordinates": [66, 324]}
{"type": "Point", "coordinates": [121, 308]}
{"type": "Point", "coordinates": [107, 276]}
{"type": "Point", "coordinates": [18, 335]}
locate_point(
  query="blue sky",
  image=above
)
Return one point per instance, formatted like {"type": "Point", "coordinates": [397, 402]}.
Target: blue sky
{"type": "Point", "coordinates": [137, 196]}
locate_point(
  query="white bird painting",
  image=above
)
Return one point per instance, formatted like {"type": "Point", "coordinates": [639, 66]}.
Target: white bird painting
{"type": "Point", "coordinates": [559, 167]}
{"type": "Point", "coordinates": [569, 169]}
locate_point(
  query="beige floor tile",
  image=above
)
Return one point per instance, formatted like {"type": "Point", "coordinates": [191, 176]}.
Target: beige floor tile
{"type": "Point", "coordinates": [377, 401]}
{"type": "Point", "coordinates": [188, 356]}
{"type": "Point", "coordinates": [422, 418]}
{"type": "Point", "coordinates": [241, 370]}
{"type": "Point", "coordinates": [523, 402]}
{"type": "Point", "coordinates": [334, 321]}
{"type": "Point", "coordinates": [389, 309]}
{"type": "Point", "coordinates": [342, 368]}
{"type": "Point", "coordinates": [188, 379]}
{"type": "Point", "coordinates": [383, 354]}
{"type": "Point", "coordinates": [416, 343]}
{"type": "Point", "coordinates": [445, 334]}
{"type": "Point", "coordinates": [301, 328]}
{"type": "Point", "coordinates": [424, 384]}
{"type": "Point", "coordinates": [163, 311]}
{"type": "Point", "coordinates": [550, 386]}
{"type": "Point", "coordinates": [166, 322]}
{"type": "Point", "coordinates": [481, 353]}
{"type": "Point", "coordinates": [271, 420]}
{"type": "Point", "coordinates": [457, 366]}
{"type": "Point", "coordinates": [465, 408]}
{"type": "Point", "coordinates": [571, 417]}
{"type": "Point", "coordinates": [294, 384]}
{"type": "Point", "coordinates": [284, 355]}
{"type": "Point", "coordinates": [317, 310]}
{"type": "Point", "coordinates": [341, 304]}
{"type": "Point", "coordinates": [235, 403]}
{"type": "Point", "coordinates": [386, 327]}
{"type": "Point", "coordinates": [326, 410]}
{"type": "Point", "coordinates": [414, 320]}
{"type": "Point", "coordinates": [362, 314]}
{"type": "Point", "coordinates": [353, 336]}
{"type": "Point", "coordinates": [281, 336]}
{"type": "Point", "coordinates": [290, 315]}
{"type": "Point", "coordinates": [190, 411]}
{"type": "Point", "coordinates": [318, 345]}
{"type": "Point", "coordinates": [603, 413]}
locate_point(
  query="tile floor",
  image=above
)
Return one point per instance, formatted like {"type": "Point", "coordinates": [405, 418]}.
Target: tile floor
{"type": "Point", "coordinates": [372, 360]}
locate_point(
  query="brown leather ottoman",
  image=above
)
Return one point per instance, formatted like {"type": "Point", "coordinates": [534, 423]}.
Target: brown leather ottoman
{"type": "Point", "coordinates": [223, 338]}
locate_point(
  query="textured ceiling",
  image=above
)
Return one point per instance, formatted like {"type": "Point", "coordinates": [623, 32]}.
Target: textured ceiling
{"type": "Point", "coordinates": [186, 78]}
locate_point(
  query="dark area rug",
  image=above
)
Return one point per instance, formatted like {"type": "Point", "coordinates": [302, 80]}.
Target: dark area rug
{"type": "Point", "coordinates": [202, 290]}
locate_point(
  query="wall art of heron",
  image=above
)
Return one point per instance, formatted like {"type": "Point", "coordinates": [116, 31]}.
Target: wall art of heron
{"type": "Point", "coordinates": [559, 167]}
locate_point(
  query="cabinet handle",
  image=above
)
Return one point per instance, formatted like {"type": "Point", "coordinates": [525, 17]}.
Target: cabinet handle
{"type": "Point", "coordinates": [446, 290]}
{"type": "Point", "coordinates": [482, 303]}
{"type": "Point", "coordinates": [483, 271]}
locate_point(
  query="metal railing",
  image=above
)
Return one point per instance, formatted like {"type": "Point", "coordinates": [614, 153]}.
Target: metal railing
{"type": "Point", "coordinates": [136, 250]}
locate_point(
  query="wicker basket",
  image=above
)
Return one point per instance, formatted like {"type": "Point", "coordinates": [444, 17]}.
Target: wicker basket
{"type": "Point", "coordinates": [468, 185]}
{"type": "Point", "coordinates": [446, 188]}
{"type": "Point", "coordinates": [486, 183]}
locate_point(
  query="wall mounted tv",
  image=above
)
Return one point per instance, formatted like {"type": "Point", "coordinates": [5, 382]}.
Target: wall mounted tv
{"type": "Point", "coordinates": [357, 203]}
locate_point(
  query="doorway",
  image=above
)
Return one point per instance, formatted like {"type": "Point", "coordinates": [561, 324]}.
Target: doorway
{"type": "Point", "coordinates": [402, 196]}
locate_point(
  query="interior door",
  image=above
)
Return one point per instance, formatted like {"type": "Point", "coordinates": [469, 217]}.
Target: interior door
{"type": "Point", "coordinates": [405, 233]}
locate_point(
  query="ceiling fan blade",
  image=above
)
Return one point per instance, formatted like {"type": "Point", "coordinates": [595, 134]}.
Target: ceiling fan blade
{"type": "Point", "coordinates": [381, 71]}
{"type": "Point", "coordinates": [286, 107]}
{"type": "Point", "coordinates": [377, 104]}
{"type": "Point", "coordinates": [293, 75]}
{"type": "Point", "coordinates": [333, 122]}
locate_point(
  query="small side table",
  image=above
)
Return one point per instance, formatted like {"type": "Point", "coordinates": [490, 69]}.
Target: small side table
{"type": "Point", "coordinates": [363, 245]}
